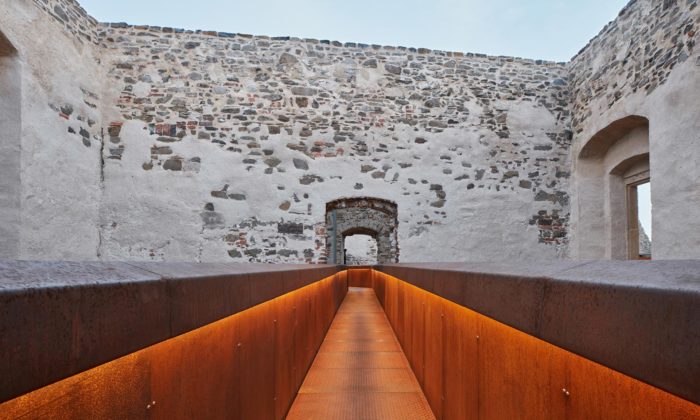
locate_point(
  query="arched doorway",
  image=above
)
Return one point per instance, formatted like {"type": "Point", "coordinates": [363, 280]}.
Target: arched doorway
{"type": "Point", "coordinates": [373, 217]}
{"type": "Point", "coordinates": [360, 247]}
{"type": "Point", "coordinates": [10, 130]}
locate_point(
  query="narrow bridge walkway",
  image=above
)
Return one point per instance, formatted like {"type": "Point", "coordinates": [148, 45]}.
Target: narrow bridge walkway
{"type": "Point", "coordinates": [360, 372]}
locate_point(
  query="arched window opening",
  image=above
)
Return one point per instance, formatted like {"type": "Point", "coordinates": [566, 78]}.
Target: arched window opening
{"type": "Point", "coordinates": [613, 193]}
{"type": "Point", "coordinates": [360, 249]}
{"type": "Point", "coordinates": [10, 141]}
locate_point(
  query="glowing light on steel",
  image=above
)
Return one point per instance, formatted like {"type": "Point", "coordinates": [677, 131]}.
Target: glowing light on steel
{"type": "Point", "coordinates": [471, 366]}
{"type": "Point", "coordinates": [248, 366]}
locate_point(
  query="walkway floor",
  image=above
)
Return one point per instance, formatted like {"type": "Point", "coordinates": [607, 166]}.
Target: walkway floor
{"type": "Point", "coordinates": [360, 372]}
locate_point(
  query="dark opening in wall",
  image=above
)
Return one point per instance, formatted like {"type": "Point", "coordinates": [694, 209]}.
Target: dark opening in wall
{"type": "Point", "coordinates": [373, 217]}
{"type": "Point", "coordinates": [10, 146]}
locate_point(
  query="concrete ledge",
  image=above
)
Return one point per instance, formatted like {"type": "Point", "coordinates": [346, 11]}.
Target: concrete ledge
{"type": "Point", "coordinates": [641, 318]}
{"type": "Point", "coordinates": [61, 318]}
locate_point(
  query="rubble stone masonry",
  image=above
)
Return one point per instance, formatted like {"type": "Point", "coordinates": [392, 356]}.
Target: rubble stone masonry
{"type": "Point", "coordinates": [226, 147]}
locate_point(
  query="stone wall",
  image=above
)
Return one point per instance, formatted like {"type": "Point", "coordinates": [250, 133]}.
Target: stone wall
{"type": "Point", "coordinates": [217, 142]}
{"type": "Point", "coordinates": [58, 129]}
{"type": "Point", "coordinates": [646, 63]}
{"type": "Point", "coordinates": [210, 146]}
{"type": "Point", "coordinates": [72, 17]}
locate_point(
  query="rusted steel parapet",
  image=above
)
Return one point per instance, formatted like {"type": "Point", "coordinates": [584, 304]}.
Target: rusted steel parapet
{"type": "Point", "coordinates": [58, 319]}
{"type": "Point", "coordinates": [639, 318]}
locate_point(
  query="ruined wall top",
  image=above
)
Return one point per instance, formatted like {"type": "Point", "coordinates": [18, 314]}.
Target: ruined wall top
{"type": "Point", "coordinates": [634, 53]}
{"type": "Point", "coordinates": [73, 18]}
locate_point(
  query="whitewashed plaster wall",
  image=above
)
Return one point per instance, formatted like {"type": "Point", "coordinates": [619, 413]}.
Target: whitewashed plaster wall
{"type": "Point", "coordinates": [157, 143]}
{"type": "Point", "coordinates": [645, 63]}
{"type": "Point", "coordinates": [58, 134]}
{"type": "Point", "coordinates": [220, 141]}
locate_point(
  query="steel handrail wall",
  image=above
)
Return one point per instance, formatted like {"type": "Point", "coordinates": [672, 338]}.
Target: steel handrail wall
{"type": "Point", "coordinates": [58, 319]}
{"type": "Point", "coordinates": [640, 318]}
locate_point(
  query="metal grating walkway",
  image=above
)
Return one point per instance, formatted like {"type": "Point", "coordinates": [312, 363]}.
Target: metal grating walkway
{"type": "Point", "coordinates": [360, 371]}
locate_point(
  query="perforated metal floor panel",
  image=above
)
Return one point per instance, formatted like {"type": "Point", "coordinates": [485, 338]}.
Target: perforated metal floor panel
{"type": "Point", "coordinates": [360, 372]}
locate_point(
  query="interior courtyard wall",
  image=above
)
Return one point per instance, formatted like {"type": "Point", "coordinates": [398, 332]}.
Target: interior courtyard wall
{"type": "Point", "coordinates": [59, 128]}
{"type": "Point", "coordinates": [209, 146]}
{"type": "Point", "coordinates": [645, 63]}
{"type": "Point", "coordinates": [227, 147]}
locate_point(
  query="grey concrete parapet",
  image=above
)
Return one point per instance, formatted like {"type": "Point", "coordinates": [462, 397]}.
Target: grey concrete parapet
{"type": "Point", "coordinates": [640, 318]}
{"type": "Point", "coordinates": [58, 319]}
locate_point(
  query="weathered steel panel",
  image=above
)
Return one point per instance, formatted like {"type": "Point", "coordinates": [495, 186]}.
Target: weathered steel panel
{"type": "Point", "coordinates": [519, 376]}
{"type": "Point", "coordinates": [360, 277]}
{"type": "Point", "coordinates": [246, 366]}
{"type": "Point", "coordinates": [460, 363]}
{"type": "Point", "coordinates": [489, 370]}
{"type": "Point", "coordinates": [285, 387]}
{"type": "Point", "coordinates": [433, 363]}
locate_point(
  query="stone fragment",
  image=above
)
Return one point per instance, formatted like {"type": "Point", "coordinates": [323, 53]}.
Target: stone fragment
{"type": "Point", "coordinates": [433, 103]}
{"type": "Point", "coordinates": [371, 63]}
{"type": "Point", "coordinates": [310, 179]}
{"type": "Point", "coordinates": [60, 13]}
{"type": "Point", "coordinates": [161, 150]}
{"type": "Point", "coordinates": [273, 129]}
{"type": "Point", "coordinates": [275, 97]}
{"type": "Point", "coordinates": [392, 68]}
{"type": "Point", "coordinates": [300, 164]}
{"type": "Point", "coordinates": [290, 228]}
{"type": "Point", "coordinates": [288, 59]}
{"type": "Point", "coordinates": [253, 253]}
{"type": "Point", "coordinates": [437, 124]}
{"type": "Point", "coordinates": [304, 91]}
{"type": "Point", "coordinates": [173, 164]}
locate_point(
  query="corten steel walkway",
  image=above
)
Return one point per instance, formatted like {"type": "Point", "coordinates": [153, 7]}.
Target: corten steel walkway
{"type": "Point", "coordinates": [360, 371]}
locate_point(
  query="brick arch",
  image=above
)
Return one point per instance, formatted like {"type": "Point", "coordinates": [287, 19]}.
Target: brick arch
{"type": "Point", "coordinates": [371, 216]}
